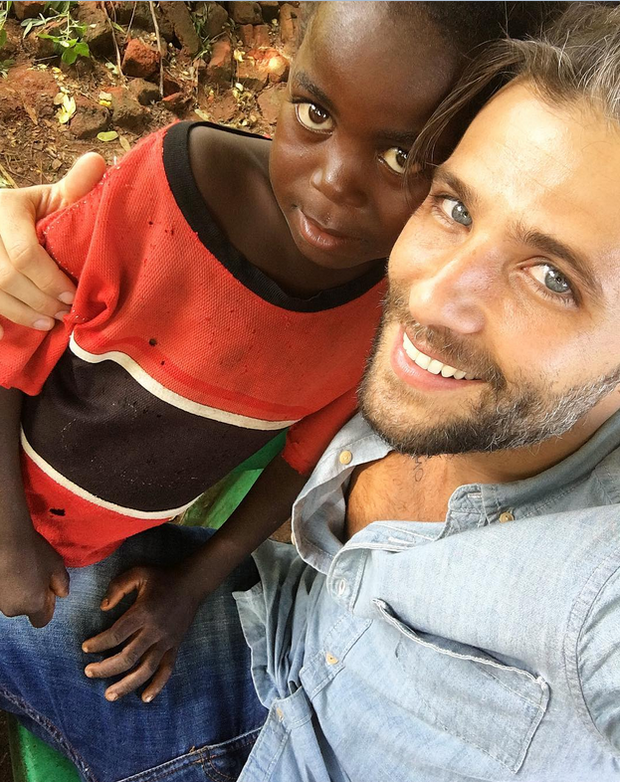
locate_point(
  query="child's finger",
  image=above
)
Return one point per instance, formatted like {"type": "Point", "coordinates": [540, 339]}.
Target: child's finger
{"type": "Point", "coordinates": [124, 627]}
{"type": "Point", "coordinates": [44, 616]}
{"type": "Point", "coordinates": [161, 676]}
{"type": "Point", "coordinates": [120, 586]}
{"type": "Point", "coordinates": [59, 584]}
{"type": "Point", "coordinates": [148, 666]}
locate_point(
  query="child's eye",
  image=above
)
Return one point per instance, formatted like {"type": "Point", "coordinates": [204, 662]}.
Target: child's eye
{"type": "Point", "coordinates": [396, 159]}
{"type": "Point", "coordinates": [455, 210]}
{"type": "Point", "coordinates": [313, 117]}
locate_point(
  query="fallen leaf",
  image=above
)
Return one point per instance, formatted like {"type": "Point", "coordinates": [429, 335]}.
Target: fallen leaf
{"type": "Point", "coordinates": [67, 109]}
{"type": "Point", "coordinates": [107, 135]}
{"type": "Point", "coordinates": [124, 142]}
{"type": "Point", "coordinates": [105, 96]}
{"type": "Point", "coordinates": [58, 98]}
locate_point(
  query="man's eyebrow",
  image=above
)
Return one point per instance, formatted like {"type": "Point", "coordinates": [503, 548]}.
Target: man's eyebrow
{"type": "Point", "coordinates": [303, 80]}
{"type": "Point", "coordinates": [462, 191]}
{"type": "Point", "coordinates": [552, 246]}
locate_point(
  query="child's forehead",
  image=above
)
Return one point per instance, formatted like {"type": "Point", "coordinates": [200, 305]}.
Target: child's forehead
{"type": "Point", "coordinates": [399, 72]}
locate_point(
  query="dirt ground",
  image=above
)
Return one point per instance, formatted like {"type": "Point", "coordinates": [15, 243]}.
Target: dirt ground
{"type": "Point", "coordinates": [51, 112]}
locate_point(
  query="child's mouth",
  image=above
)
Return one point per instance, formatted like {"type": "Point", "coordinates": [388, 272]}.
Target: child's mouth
{"type": "Point", "coordinates": [318, 235]}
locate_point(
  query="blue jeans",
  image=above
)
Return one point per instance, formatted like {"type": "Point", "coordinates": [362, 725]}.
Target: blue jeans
{"type": "Point", "coordinates": [202, 726]}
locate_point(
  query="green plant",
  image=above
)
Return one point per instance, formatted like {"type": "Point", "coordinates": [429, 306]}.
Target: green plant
{"type": "Point", "coordinates": [4, 11]}
{"type": "Point", "coordinates": [67, 35]}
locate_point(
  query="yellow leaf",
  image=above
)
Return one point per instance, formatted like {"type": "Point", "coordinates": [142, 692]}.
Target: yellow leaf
{"type": "Point", "coordinates": [107, 135]}
{"type": "Point", "coordinates": [67, 110]}
{"type": "Point", "coordinates": [202, 114]}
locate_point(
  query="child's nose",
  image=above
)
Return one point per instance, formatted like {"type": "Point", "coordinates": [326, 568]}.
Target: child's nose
{"type": "Point", "coordinates": [338, 176]}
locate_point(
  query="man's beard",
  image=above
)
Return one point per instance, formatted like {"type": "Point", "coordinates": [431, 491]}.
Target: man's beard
{"type": "Point", "coordinates": [505, 416]}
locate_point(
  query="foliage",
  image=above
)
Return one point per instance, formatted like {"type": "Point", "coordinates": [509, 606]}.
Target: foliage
{"type": "Point", "coordinates": [4, 64]}
{"type": "Point", "coordinates": [68, 33]}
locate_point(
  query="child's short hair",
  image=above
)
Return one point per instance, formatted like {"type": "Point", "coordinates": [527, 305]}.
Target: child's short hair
{"type": "Point", "coordinates": [465, 25]}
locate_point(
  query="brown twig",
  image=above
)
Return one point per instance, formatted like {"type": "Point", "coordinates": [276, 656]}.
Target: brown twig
{"type": "Point", "coordinates": [119, 61]}
{"type": "Point", "coordinates": [161, 53]}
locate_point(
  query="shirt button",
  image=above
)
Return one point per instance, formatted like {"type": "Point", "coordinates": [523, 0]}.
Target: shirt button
{"type": "Point", "coordinates": [341, 587]}
{"type": "Point", "coordinates": [280, 714]}
{"type": "Point", "coordinates": [345, 457]}
{"type": "Point", "coordinates": [330, 659]}
{"type": "Point", "coordinates": [506, 516]}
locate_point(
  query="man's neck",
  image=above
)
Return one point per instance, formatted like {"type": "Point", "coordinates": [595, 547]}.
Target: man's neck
{"type": "Point", "coordinates": [411, 488]}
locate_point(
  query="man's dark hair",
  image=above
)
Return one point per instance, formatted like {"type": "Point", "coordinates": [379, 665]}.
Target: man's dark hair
{"type": "Point", "coordinates": [575, 59]}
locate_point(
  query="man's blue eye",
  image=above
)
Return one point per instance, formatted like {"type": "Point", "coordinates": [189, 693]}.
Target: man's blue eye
{"type": "Point", "coordinates": [460, 215]}
{"type": "Point", "coordinates": [456, 211]}
{"type": "Point", "coordinates": [556, 281]}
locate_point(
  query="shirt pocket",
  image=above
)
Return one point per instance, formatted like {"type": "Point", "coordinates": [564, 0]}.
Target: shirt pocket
{"type": "Point", "coordinates": [470, 697]}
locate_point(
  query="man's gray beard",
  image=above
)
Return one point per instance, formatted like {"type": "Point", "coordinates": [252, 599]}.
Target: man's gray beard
{"type": "Point", "coordinates": [506, 416]}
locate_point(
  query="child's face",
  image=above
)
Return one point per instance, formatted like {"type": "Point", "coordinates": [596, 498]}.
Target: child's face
{"type": "Point", "coordinates": [359, 92]}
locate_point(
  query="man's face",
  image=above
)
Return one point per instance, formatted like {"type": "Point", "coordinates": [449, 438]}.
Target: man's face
{"type": "Point", "coordinates": [509, 273]}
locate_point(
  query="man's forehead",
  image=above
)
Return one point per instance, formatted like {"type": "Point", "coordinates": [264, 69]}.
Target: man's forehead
{"type": "Point", "coordinates": [532, 168]}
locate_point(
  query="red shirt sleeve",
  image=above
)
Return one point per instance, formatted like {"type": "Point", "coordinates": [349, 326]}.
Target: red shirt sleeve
{"type": "Point", "coordinates": [307, 440]}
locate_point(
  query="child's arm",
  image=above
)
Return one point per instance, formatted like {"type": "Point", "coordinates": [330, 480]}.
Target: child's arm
{"type": "Point", "coordinates": [32, 573]}
{"type": "Point", "coordinates": [167, 600]}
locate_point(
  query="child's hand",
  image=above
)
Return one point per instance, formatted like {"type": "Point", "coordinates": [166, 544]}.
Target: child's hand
{"type": "Point", "coordinates": [153, 628]}
{"type": "Point", "coordinates": [32, 576]}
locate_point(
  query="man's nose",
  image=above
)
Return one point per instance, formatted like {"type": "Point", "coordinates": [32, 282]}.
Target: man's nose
{"type": "Point", "coordinates": [338, 175]}
{"type": "Point", "coordinates": [456, 290]}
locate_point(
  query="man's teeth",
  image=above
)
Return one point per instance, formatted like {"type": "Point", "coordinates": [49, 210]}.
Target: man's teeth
{"type": "Point", "coordinates": [431, 364]}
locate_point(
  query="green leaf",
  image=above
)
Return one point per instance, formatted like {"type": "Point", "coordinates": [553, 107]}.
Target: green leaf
{"type": "Point", "coordinates": [107, 135]}
{"type": "Point", "coordinates": [69, 56]}
{"type": "Point", "coordinates": [2, 37]}
{"type": "Point", "coordinates": [82, 49]}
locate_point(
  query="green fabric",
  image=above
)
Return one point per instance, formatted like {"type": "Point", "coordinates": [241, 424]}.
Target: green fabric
{"type": "Point", "coordinates": [217, 504]}
{"type": "Point", "coordinates": [34, 761]}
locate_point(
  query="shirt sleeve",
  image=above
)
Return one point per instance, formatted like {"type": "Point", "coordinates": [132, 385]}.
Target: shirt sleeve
{"type": "Point", "coordinates": [27, 356]}
{"type": "Point", "coordinates": [307, 440]}
{"type": "Point", "coordinates": [598, 663]}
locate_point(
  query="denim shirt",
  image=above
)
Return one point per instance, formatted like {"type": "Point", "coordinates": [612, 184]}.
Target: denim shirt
{"type": "Point", "coordinates": [485, 647]}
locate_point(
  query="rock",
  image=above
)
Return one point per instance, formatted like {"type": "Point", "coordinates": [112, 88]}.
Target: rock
{"type": "Point", "coordinates": [177, 102]}
{"type": "Point", "coordinates": [246, 34]}
{"type": "Point", "coordinates": [253, 71]}
{"type": "Point", "coordinates": [245, 13]}
{"type": "Point", "coordinates": [139, 14]}
{"type": "Point", "coordinates": [179, 17]}
{"type": "Point", "coordinates": [13, 43]}
{"type": "Point", "coordinates": [223, 109]}
{"type": "Point", "coordinates": [28, 10]}
{"type": "Point", "coordinates": [214, 18]}
{"type": "Point", "coordinates": [270, 10]}
{"type": "Point", "coordinates": [220, 67]}
{"type": "Point", "coordinates": [29, 92]}
{"type": "Point", "coordinates": [98, 33]}
{"type": "Point", "coordinates": [140, 60]}
{"type": "Point", "coordinates": [171, 85]}
{"type": "Point", "coordinates": [261, 37]}
{"type": "Point", "coordinates": [278, 66]}
{"type": "Point", "coordinates": [126, 111]}
{"type": "Point", "coordinates": [89, 119]}
{"type": "Point", "coordinates": [270, 101]}
{"type": "Point", "coordinates": [145, 92]}
{"type": "Point", "coordinates": [289, 24]}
